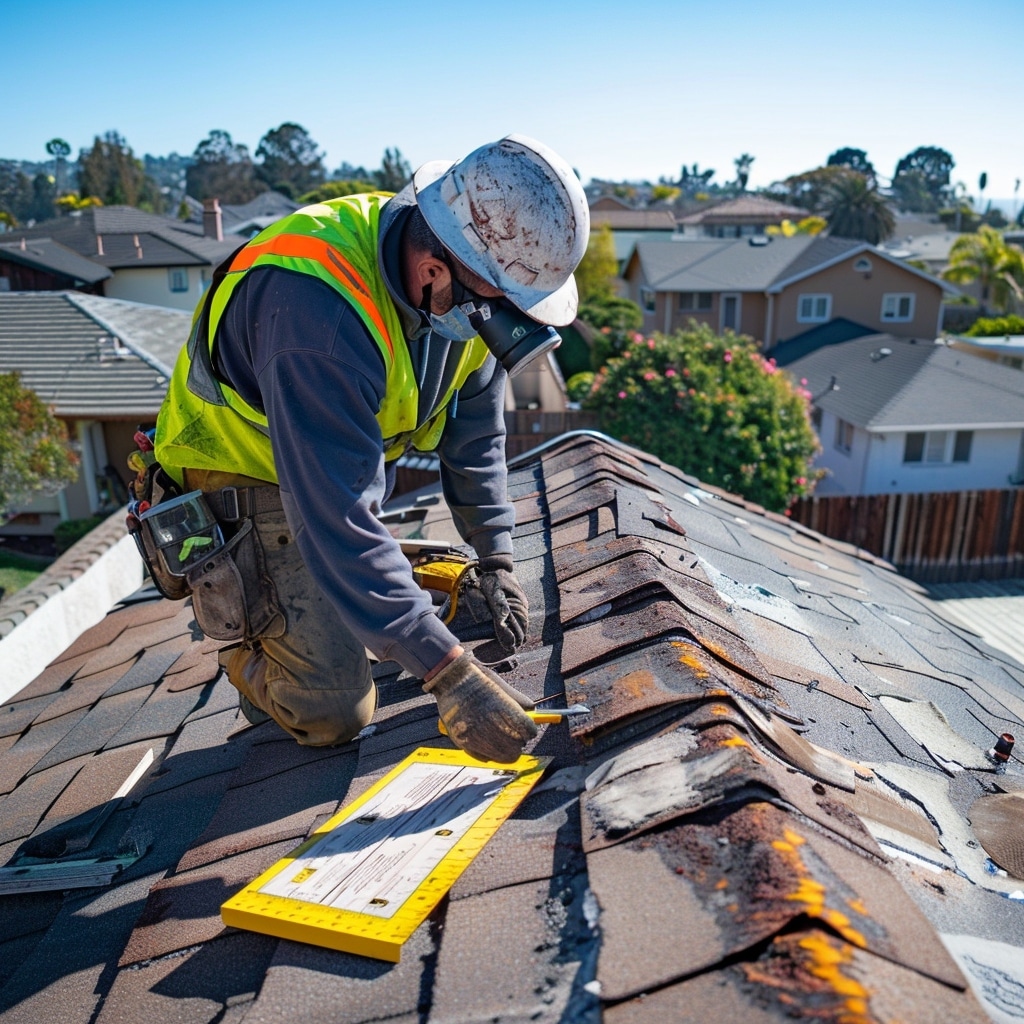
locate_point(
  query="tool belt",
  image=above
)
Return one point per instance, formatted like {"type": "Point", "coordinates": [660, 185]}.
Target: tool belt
{"type": "Point", "coordinates": [206, 544]}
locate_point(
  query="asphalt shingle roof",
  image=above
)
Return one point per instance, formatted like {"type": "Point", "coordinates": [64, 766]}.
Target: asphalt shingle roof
{"type": "Point", "coordinates": [114, 236]}
{"type": "Point", "coordinates": [733, 264]}
{"type": "Point", "coordinates": [744, 207]}
{"type": "Point", "coordinates": [78, 364]}
{"type": "Point", "coordinates": [767, 816]}
{"type": "Point", "coordinates": [893, 383]}
{"type": "Point", "coordinates": [46, 254]}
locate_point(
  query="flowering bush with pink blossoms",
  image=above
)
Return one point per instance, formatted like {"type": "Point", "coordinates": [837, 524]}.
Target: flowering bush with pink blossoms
{"type": "Point", "coordinates": [714, 406]}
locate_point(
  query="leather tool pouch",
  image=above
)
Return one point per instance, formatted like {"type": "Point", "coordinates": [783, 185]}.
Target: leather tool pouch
{"type": "Point", "coordinates": [233, 597]}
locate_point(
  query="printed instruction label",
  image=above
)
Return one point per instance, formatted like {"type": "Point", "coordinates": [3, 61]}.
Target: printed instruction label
{"type": "Point", "coordinates": [373, 862]}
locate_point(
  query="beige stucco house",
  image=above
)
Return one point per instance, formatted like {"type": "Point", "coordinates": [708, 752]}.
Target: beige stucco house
{"type": "Point", "coordinates": [776, 289]}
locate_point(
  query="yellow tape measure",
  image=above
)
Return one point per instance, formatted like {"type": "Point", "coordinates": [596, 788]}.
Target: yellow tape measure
{"type": "Point", "coordinates": [368, 877]}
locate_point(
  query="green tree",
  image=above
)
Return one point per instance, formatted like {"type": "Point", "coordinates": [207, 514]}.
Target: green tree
{"type": "Point", "coordinates": [44, 197]}
{"type": "Point", "coordinates": [809, 189]}
{"type": "Point", "coordinates": [596, 273]}
{"type": "Point", "coordinates": [111, 172]}
{"type": "Point", "coordinates": [59, 149]}
{"type": "Point", "coordinates": [15, 192]}
{"type": "Point", "coordinates": [395, 172]}
{"type": "Point", "coordinates": [337, 189]}
{"type": "Point", "coordinates": [996, 265]}
{"type": "Point", "coordinates": [713, 406]}
{"type": "Point", "coordinates": [855, 209]}
{"type": "Point", "coordinates": [222, 170]}
{"type": "Point", "coordinates": [855, 160]}
{"type": "Point", "coordinates": [921, 181]}
{"type": "Point", "coordinates": [34, 455]}
{"type": "Point", "coordinates": [743, 164]}
{"type": "Point", "coordinates": [996, 326]}
{"type": "Point", "coordinates": [290, 161]}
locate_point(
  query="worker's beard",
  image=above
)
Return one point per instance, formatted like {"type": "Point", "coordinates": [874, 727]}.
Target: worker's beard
{"type": "Point", "coordinates": [453, 325]}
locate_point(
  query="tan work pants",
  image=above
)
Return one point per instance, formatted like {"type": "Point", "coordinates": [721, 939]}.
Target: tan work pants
{"type": "Point", "coordinates": [314, 678]}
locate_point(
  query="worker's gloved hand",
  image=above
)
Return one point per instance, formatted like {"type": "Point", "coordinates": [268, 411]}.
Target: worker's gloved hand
{"type": "Point", "coordinates": [482, 714]}
{"type": "Point", "coordinates": [505, 598]}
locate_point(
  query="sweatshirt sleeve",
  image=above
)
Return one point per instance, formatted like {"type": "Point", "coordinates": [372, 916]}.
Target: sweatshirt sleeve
{"type": "Point", "coordinates": [320, 378]}
{"type": "Point", "coordinates": [473, 470]}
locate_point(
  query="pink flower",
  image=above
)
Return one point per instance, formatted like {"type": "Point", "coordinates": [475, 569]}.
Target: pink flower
{"type": "Point", "coordinates": [650, 343]}
{"type": "Point", "coordinates": [670, 372]}
{"type": "Point", "coordinates": [606, 330]}
{"type": "Point", "coordinates": [728, 356]}
{"type": "Point", "coordinates": [622, 394]}
{"type": "Point", "coordinates": [638, 338]}
{"type": "Point", "coordinates": [691, 392]}
{"type": "Point", "coordinates": [803, 382]}
{"type": "Point", "coordinates": [686, 373]}
{"type": "Point", "coordinates": [650, 375]}
{"type": "Point", "coordinates": [801, 480]}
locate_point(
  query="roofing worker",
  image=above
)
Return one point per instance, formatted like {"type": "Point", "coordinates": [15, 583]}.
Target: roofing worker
{"type": "Point", "coordinates": [331, 343]}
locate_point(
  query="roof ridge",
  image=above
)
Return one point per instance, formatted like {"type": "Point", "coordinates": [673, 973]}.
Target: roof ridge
{"type": "Point", "coordinates": [119, 333]}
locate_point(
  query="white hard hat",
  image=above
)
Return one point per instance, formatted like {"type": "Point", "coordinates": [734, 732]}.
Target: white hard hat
{"type": "Point", "coordinates": [515, 214]}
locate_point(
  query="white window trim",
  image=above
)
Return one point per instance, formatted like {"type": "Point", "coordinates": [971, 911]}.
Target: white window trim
{"type": "Point", "coordinates": [648, 300]}
{"type": "Point", "coordinates": [813, 298]}
{"type": "Point", "coordinates": [840, 424]}
{"type": "Point", "coordinates": [895, 297]}
{"type": "Point", "coordinates": [948, 448]}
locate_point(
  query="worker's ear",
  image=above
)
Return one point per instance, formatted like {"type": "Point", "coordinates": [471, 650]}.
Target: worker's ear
{"type": "Point", "coordinates": [424, 270]}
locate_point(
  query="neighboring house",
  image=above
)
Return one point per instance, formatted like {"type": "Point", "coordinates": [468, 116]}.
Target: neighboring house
{"type": "Point", "coordinates": [779, 808]}
{"type": "Point", "coordinates": [630, 225]}
{"type": "Point", "coordinates": [247, 219]}
{"type": "Point", "coordinates": [148, 258]}
{"type": "Point", "coordinates": [899, 416]}
{"type": "Point", "coordinates": [739, 218]}
{"type": "Point", "coordinates": [46, 265]}
{"type": "Point", "coordinates": [775, 288]}
{"type": "Point", "coordinates": [1007, 349]}
{"type": "Point", "coordinates": [102, 365]}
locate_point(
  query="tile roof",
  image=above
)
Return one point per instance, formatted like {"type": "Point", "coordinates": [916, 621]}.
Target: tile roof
{"type": "Point", "coordinates": [634, 220]}
{"type": "Point", "coordinates": [75, 359]}
{"type": "Point", "coordinates": [46, 254]}
{"type": "Point", "coordinates": [888, 383]}
{"type": "Point", "coordinates": [744, 209]}
{"type": "Point", "coordinates": [764, 818]}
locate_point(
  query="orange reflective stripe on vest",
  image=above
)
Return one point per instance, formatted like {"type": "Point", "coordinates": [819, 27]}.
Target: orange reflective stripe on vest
{"type": "Point", "coordinates": [309, 248]}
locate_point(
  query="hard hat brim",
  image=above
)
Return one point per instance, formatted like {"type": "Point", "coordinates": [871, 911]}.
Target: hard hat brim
{"type": "Point", "coordinates": [557, 308]}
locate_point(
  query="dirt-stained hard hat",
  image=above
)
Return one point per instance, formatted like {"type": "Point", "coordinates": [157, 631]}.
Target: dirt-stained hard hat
{"type": "Point", "coordinates": [514, 213]}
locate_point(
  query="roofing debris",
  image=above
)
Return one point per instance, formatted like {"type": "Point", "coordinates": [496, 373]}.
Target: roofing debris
{"type": "Point", "coordinates": [782, 806]}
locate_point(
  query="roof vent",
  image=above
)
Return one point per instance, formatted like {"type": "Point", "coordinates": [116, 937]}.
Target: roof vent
{"type": "Point", "coordinates": [880, 353]}
{"type": "Point", "coordinates": [760, 239]}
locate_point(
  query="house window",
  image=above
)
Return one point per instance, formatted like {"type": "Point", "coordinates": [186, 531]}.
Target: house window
{"type": "Point", "coordinates": [863, 265]}
{"type": "Point", "coordinates": [938, 446]}
{"type": "Point", "coordinates": [647, 299]}
{"type": "Point", "coordinates": [898, 307]}
{"type": "Point", "coordinates": [177, 277]}
{"type": "Point", "coordinates": [814, 309]}
{"type": "Point", "coordinates": [844, 436]}
{"type": "Point", "coordinates": [700, 301]}
{"type": "Point", "coordinates": [730, 313]}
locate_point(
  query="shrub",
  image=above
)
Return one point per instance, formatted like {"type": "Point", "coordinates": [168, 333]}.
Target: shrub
{"type": "Point", "coordinates": [996, 326]}
{"type": "Point", "coordinates": [714, 407]}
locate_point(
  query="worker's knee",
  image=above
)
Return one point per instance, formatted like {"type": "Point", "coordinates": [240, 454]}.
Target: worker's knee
{"type": "Point", "coordinates": [322, 718]}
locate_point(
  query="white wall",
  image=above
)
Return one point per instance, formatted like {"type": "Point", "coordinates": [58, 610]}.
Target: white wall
{"type": "Point", "coordinates": [994, 455]}
{"type": "Point", "coordinates": [846, 469]}
{"type": "Point", "coordinates": [64, 617]}
{"type": "Point", "coordinates": [152, 285]}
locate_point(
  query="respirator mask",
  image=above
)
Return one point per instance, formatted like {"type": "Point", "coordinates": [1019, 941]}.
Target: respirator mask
{"type": "Point", "coordinates": [512, 337]}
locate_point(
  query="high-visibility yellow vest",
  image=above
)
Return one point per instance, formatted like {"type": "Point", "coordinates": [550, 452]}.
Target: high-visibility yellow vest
{"type": "Point", "coordinates": [204, 424]}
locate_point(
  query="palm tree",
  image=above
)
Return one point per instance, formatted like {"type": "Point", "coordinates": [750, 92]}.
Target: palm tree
{"type": "Point", "coordinates": [855, 209]}
{"type": "Point", "coordinates": [996, 265]}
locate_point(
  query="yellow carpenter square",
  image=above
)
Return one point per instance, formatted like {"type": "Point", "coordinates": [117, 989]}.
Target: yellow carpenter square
{"type": "Point", "coordinates": [366, 879]}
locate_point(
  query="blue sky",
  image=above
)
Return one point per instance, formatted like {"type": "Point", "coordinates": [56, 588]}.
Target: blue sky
{"type": "Point", "coordinates": [623, 90]}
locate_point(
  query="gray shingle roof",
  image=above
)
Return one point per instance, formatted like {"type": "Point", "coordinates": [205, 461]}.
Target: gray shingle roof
{"type": "Point", "coordinates": [917, 386]}
{"type": "Point", "coordinates": [767, 816]}
{"type": "Point", "coordinates": [744, 208]}
{"type": "Point", "coordinates": [72, 360]}
{"type": "Point", "coordinates": [46, 254]}
{"type": "Point", "coordinates": [114, 236]}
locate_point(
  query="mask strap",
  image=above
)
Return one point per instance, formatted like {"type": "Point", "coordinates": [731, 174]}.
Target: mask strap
{"type": "Point", "coordinates": [428, 291]}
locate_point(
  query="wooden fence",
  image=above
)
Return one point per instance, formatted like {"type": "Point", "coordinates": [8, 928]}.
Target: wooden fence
{"type": "Point", "coordinates": [939, 537]}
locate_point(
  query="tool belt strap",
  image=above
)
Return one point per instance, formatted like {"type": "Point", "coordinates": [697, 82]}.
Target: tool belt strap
{"type": "Point", "coordinates": [230, 504]}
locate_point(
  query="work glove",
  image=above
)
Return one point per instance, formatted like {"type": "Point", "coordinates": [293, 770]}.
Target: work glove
{"type": "Point", "coordinates": [482, 714]}
{"type": "Point", "coordinates": [506, 600]}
